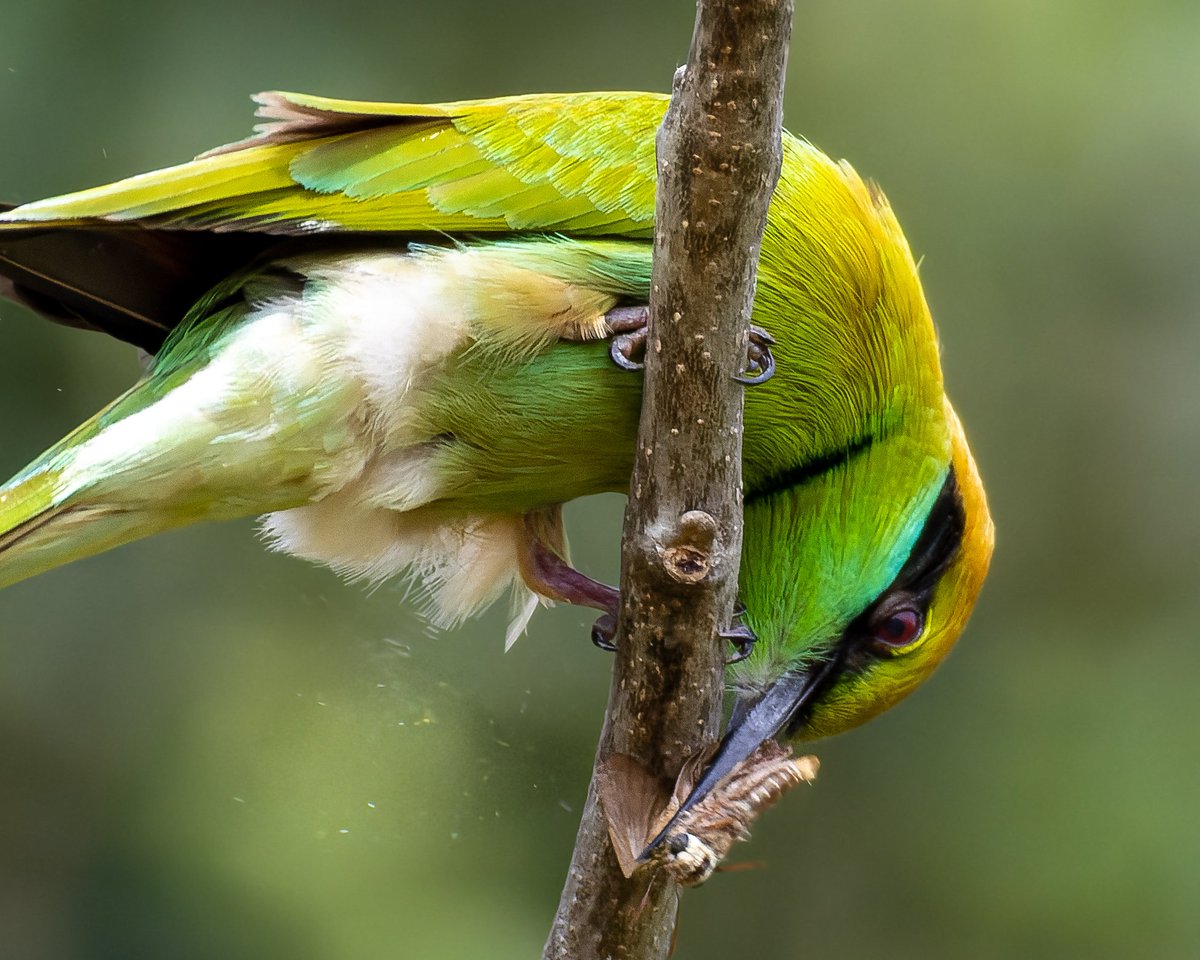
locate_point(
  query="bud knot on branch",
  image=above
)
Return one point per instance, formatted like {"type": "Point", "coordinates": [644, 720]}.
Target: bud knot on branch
{"type": "Point", "coordinates": [689, 555]}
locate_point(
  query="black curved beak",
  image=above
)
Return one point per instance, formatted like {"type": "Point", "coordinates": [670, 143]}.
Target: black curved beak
{"type": "Point", "coordinates": [752, 722]}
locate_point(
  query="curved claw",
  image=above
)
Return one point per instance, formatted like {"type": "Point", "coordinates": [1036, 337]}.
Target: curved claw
{"type": "Point", "coordinates": [743, 640]}
{"type": "Point", "coordinates": [603, 631]}
{"type": "Point", "coordinates": [760, 363]}
{"type": "Point", "coordinates": [622, 348]}
{"type": "Point", "coordinates": [762, 377]}
{"type": "Point", "coordinates": [629, 327]}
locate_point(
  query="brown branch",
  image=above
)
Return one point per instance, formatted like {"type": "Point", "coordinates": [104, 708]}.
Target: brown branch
{"type": "Point", "coordinates": [718, 161]}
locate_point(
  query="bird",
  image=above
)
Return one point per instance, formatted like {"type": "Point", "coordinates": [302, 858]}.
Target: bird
{"type": "Point", "coordinates": [407, 334]}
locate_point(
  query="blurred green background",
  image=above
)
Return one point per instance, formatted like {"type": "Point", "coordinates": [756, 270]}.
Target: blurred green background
{"type": "Point", "coordinates": [210, 751]}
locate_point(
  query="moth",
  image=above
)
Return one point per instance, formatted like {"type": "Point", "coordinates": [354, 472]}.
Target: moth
{"type": "Point", "coordinates": [637, 806]}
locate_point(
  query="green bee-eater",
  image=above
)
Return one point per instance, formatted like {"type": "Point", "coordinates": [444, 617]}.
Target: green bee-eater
{"type": "Point", "coordinates": [382, 326]}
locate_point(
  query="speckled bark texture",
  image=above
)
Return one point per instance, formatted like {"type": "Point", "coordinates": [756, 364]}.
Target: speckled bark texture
{"type": "Point", "coordinates": [718, 160]}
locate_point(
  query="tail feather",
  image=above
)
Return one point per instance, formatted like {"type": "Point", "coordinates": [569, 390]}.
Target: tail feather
{"type": "Point", "coordinates": [41, 529]}
{"type": "Point", "coordinates": [60, 535]}
{"type": "Point", "coordinates": [38, 533]}
{"type": "Point", "coordinates": [25, 505]}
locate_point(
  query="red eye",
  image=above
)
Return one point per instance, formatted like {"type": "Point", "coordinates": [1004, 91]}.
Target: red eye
{"type": "Point", "coordinates": [900, 627]}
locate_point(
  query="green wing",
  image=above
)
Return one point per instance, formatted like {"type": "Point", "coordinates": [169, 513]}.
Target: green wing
{"type": "Point", "coordinates": [579, 164]}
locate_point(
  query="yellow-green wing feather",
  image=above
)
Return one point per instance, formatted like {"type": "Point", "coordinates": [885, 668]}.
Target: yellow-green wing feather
{"type": "Point", "coordinates": [568, 163]}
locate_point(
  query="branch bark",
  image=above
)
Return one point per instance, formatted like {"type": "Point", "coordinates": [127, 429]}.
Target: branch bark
{"type": "Point", "coordinates": [718, 161]}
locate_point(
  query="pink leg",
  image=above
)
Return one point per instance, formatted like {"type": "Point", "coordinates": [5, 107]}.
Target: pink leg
{"type": "Point", "coordinates": [548, 574]}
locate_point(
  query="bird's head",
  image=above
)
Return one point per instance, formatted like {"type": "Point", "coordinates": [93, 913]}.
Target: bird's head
{"type": "Point", "coordinates": [834, 656]}
{"type": "Point", "coordinates": [894, 644]}
{"type": "Point", "coordinates": [866, 533]}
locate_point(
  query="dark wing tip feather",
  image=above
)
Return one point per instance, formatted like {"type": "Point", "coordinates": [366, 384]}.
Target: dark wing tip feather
{"type": "Point", "coordinates": [133, 283]}
{"type": "Point", "coordinates": [285, 121]}
{"type": "Point", "coordinates": [43, 306]}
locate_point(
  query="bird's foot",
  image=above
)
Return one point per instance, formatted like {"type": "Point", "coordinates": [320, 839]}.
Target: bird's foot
{"type": "Point", "coordinates": [743, 640]}
{"type": "Point", "coordinates": [628, 327]}
{"type": "Point", "coordinates": [603, 632]}
{"type": "Point", "coordinates": [740, 635]}
{"type": "Point", "coordinates": [547, 573]}
{"type": "Point", "coordinates": [760, 363]}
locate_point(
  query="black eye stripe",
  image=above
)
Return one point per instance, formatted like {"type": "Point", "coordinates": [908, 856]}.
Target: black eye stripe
{"type": "Point", "coordinates": [805, 472]}
{"type": "Point", "coordinates": [940, 540]}
{"type": "Point", "coordinates": [936, 546]}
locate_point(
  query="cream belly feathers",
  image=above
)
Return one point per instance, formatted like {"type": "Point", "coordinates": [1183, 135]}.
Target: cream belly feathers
{"type": "Point", "coordinates": [325, 375]}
